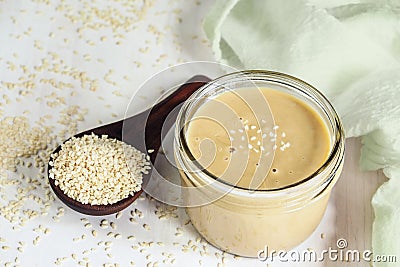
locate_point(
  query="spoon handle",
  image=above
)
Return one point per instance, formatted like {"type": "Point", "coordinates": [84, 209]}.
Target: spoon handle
{"type": "Point", "coordinates": [143, 130]}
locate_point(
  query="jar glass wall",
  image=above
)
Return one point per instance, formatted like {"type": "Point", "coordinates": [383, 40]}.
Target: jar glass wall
{"type": "Point", "coordinates": [243, 221]}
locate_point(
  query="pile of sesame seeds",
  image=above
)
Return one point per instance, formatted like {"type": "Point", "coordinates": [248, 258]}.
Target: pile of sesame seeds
{"type": "Point", "coordinates": [98, 170]}
{"type": "Point", "coordinates": [19, 140]}
{"type": "Point", "coordinates": [23, 148]}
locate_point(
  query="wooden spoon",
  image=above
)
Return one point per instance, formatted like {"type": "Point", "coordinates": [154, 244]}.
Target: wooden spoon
{"type": "Point", "coordinates": [143, 131]}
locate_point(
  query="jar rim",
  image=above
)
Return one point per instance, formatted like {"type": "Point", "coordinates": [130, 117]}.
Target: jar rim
{"type": "Point", "coordinates": [287, 81]}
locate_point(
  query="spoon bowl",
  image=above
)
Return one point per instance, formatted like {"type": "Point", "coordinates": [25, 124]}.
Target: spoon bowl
{"type": "Point", "coordinates": [142, 131]}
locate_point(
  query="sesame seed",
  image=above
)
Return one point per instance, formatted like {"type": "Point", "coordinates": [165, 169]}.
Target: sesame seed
{"type": "Point", "coordinates": [107, 166]}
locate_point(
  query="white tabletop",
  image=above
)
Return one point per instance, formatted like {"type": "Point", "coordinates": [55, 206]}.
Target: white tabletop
{"type": "Point", "coordinates": [98, 53]}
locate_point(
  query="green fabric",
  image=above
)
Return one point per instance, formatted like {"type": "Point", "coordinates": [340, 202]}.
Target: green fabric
{"type": "Point", "coordinates": [350, 50]}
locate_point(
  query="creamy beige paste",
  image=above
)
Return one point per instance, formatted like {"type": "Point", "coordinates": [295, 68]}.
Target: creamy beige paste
{"type": "Point", "coordinates": [233, 137]}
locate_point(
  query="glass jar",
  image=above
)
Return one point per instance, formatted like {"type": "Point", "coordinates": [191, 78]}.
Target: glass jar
{"type": "Point", "coordinates": [244, 221]}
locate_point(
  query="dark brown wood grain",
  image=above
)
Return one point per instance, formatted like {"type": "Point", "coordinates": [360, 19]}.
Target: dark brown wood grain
{"type": "Point", "coordinates": [143, 131]}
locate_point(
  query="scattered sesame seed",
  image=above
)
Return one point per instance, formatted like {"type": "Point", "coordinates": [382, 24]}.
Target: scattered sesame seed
{"type": "Point", "coordinates": [91, 17]}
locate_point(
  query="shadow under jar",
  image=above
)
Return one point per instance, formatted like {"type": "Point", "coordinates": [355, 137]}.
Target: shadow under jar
{"type": "Point", "coordinates": [243, 218]}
